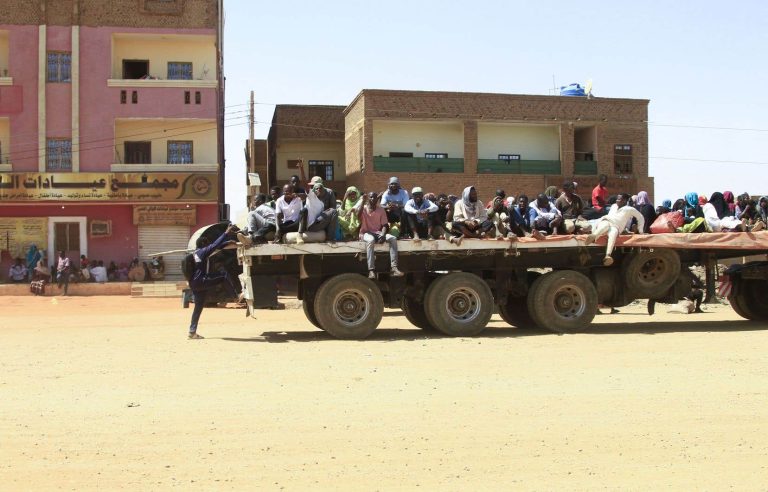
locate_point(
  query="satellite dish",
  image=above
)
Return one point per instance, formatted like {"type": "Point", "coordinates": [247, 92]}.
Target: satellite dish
{"type": "Point", "coordinates": [588, 88]}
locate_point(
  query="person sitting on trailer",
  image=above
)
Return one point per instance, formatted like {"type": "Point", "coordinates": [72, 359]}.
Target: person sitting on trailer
{"type": "Point", "coordinates": [317, 217]}
{"type": "Point", "coordinates": [287, 213]}
{"type": "Point", "coordinates": [571, 207]}
{"type": "Point", "coordinates": [545, 217]}
{"type": "Point", "coordinates": [261, 221]}
{"type": "Point", "coordinates": [421, 215]}
{"type": "Point", "coordinates": [523, 209]}
{"type": "Point", "coordinates": [715, 211]}
{"type": "Point", "coordinates": [615, 222]}
{"type": "Point", "coordinates": [348, 220]}
{"type": "Point", "coordinates": [393, 200]}
{"type": "Point", "coordinates": [274, 194]}
{"type": "Point", "coordinates": [499, 194]}
{"type": "Point", "coordinates": [470, 218]}
{"type": "Point", "coordinates": [202, 280]}
{"type": "Point", "coordinates": [374, 229]}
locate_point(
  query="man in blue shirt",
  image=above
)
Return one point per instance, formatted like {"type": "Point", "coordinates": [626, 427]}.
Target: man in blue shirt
{"type": "Point", "coordinates": [421, 215]}
{"type": "Point", "coordinates": [202, 281]}
{"type": "Point", "coordinates": [393, 200]}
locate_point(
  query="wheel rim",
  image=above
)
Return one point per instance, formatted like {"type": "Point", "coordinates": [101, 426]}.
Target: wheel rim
{"type": "Point", "coordinates": [652, 270]}
{"type": "Point", "coordinates": [569, 301]}
{"type": "Point", "coordinates": [463, 304]}
{"type": "Point", "coordinates": [351, 307]}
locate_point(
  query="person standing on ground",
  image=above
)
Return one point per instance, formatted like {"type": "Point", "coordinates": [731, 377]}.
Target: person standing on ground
{"type": "Point", "coordinates": [63, 268]}
{"type": "Point", "coordinates": [202, 281]}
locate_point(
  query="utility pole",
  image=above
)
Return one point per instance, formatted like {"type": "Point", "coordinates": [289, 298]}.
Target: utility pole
{"type": "Point", "coordinates": [251, 147]}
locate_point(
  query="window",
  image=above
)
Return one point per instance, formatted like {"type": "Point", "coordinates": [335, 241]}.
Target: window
{"type": "Point", "coordinates": [187, 98]}
{"type": "Point", "coordinates": [59, 66]}
{"type": "Point", "coordinates": [198, 97]}
{"type": "Point", "coordinates": [123, 97]}
{"type": "Point", "coordinates": [622, 159]}
{"type": "Point", "coordinates": [435, 156]}
{"type": "Point", "coordinates": [138, 152]}
{"type": "Point", "coordinates": [179, 70]}
{"type": "Point", "coordinates": [324, 169]}
{"type": "Point", "coordinates": [134, 97]}
{"type": "Point", "coordinates": [401, 154]}
{"type": "Point", "coordinates": [509, 157]}
{"type": "Point", "coordinates": [179, 152]}
{"type": "Point", "coordinates": [58, 154]}
{"type": "Point", "coordinates": [66, 236]}
{"type": "Point", "coordinates": [135, 69]}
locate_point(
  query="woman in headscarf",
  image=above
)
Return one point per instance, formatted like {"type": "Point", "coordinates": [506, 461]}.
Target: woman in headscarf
{"type": "Point", "coordinates": [729, 200]}
{"type": "Point", "coordinates": [692, 207]}
{"type": "Point", "coordinates": [762, 208]}
{"type": "Point", "coordinates": [715, 214]}
{"type": "Point", "coordinates": [33, 256]}
{"type": "Point", "coordinates": [665, 207]}
{"type": "Point", "coordinates": [348, 220]}
{"type": "Point", "coordinates": [645, 207]}
{"type": "Point", "coordinates": [679, 205]}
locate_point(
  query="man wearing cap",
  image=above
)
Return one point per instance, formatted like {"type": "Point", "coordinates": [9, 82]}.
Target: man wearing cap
{"type": "Point", "coordinates": [325, 194]}
{"type": "Point", "coordinates": [319, 215]}
{"type": "Point", "coordinates": [421, 214]}
{"type": "Point", "coordinates": [393, 200]}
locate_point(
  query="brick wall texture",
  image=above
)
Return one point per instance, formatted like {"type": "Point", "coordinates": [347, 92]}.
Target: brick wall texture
{"type": "Point", "coordinates": [190, 14]}
{"type": "Point", "coordinates": [616, 121]}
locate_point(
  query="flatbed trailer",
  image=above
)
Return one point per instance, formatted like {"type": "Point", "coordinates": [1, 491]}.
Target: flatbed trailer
{"type": "Point", "coordinates": [455, 289]}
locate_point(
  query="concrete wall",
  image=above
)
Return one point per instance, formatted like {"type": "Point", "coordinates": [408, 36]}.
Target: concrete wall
{"type": "Point", "coordinates": [309, 150]}
{"type": "Point", "coordinates": [161, 49]}
{"type": "Point", "coordinates": [202, 133]}
{"type": "Point", "coordinates": [418, 138]}
{"type": "Point", "coordinates": [532, 142]}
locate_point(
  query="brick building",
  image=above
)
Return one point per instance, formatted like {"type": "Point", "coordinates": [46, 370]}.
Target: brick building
{"type": "Point", "coordinates": [111, 117]}
{"type": "Point", "coordinates": [314, 134]}
{"type": "Point", "coordinates": [444, 141]}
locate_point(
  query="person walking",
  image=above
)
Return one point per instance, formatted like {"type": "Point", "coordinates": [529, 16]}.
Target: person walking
{"type": "Point", "coordinates": [63, 268]}
{"type": "Point", "coordinates": [202, 280]}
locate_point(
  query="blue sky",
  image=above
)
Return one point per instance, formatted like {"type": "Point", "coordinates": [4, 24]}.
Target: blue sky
{"type": "Point", "coordinates": [700, 63]}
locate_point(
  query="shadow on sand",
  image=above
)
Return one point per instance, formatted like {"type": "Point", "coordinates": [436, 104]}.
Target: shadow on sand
{"type": "Point", "coordinates": [499, 329]}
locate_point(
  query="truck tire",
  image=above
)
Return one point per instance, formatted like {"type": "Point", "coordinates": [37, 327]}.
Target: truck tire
{"type": "Point", "coordinates": [650, 274]}
{"type": "Point", "coordinates": [515, 313]}
{"type": "Point", "coordinates": [415, 314]}
{"type": "Point", "coordinates": [562, 301]}
{"type": "Point", "coordinates": [349, 306]}
{"type": "Point", "coordinates": [309, 311]}
{"type": "Point", "coordinates": [459, 304]}
{"type": "Point", "coordinates": [746, 299]}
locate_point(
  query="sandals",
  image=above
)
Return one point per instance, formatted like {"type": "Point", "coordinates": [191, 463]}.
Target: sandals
{"type": "Point", "coordinates": [195, 336]}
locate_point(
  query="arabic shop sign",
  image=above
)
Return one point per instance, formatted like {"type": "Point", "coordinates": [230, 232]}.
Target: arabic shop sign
{"type": "Point", "coordinates": [108, 187]}
{"type": "Point", "coordinates": [164, 215]}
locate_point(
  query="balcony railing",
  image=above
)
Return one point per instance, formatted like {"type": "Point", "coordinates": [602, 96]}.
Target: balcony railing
{"type": "Point", "coordinates": [585, 168]}
{"type": "Point", "coordinates": [495, 166]}
{"type": "Point", "coordinates": [418, 165]}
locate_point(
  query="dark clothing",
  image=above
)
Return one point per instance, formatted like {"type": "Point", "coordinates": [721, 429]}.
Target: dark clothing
{"type": "Point", "coordinates": [422, 227]}
{"type": "Point", "coordinates": [649, 214]}
{"type": "Point", "coordinates": [524, 217]}
{"type": "Point", "coordinates": [202, 281]}
{"type": "Point", "coordinates": [328, 199]}
{"type": "Point", "coordinates": [570, 209]}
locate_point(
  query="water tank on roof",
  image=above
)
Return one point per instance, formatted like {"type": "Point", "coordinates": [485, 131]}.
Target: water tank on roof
{"type": "Point", "coordinates": [572, 90]}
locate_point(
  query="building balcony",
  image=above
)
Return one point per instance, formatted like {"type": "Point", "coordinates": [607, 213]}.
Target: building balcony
{"type": "Point", "coordinates": [495, 166]}
{"type": "Point", "coordinates": [146, 83]}
{"type": "Point", "coordinates": [585, 168]}
{"type": "Point", "coordinates": [418, 165]}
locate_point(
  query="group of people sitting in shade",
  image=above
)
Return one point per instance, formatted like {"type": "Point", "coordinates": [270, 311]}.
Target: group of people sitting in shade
{"type": "Point", "coordinates": [394, 214]}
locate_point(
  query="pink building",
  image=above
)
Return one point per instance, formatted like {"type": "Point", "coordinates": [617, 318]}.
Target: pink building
{"type": "Point", "coordinates": [111, 116]}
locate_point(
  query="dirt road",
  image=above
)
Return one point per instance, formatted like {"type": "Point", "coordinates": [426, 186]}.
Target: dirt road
{"type": "Point", "coordinates": [106, 393]}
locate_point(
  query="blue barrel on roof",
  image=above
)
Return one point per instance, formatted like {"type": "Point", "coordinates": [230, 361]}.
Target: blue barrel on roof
{"type": "Point", "coordinates": [572, 90]}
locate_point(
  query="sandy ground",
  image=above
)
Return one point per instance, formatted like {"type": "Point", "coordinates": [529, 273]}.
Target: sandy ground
{"type": "Point", "coordinates": [107, 393]}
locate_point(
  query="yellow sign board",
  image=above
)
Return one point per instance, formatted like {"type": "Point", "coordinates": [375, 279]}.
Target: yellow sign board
{"type": "Point", "coordinates": [18, 233]}
{"type": "Point", "coordinates": [109, 187]}
{"type": "Point", "coordinates": [164, 215]}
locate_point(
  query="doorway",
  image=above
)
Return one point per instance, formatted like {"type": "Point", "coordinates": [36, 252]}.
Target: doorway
{"type": "Point", "coordinates": [68, 234]}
